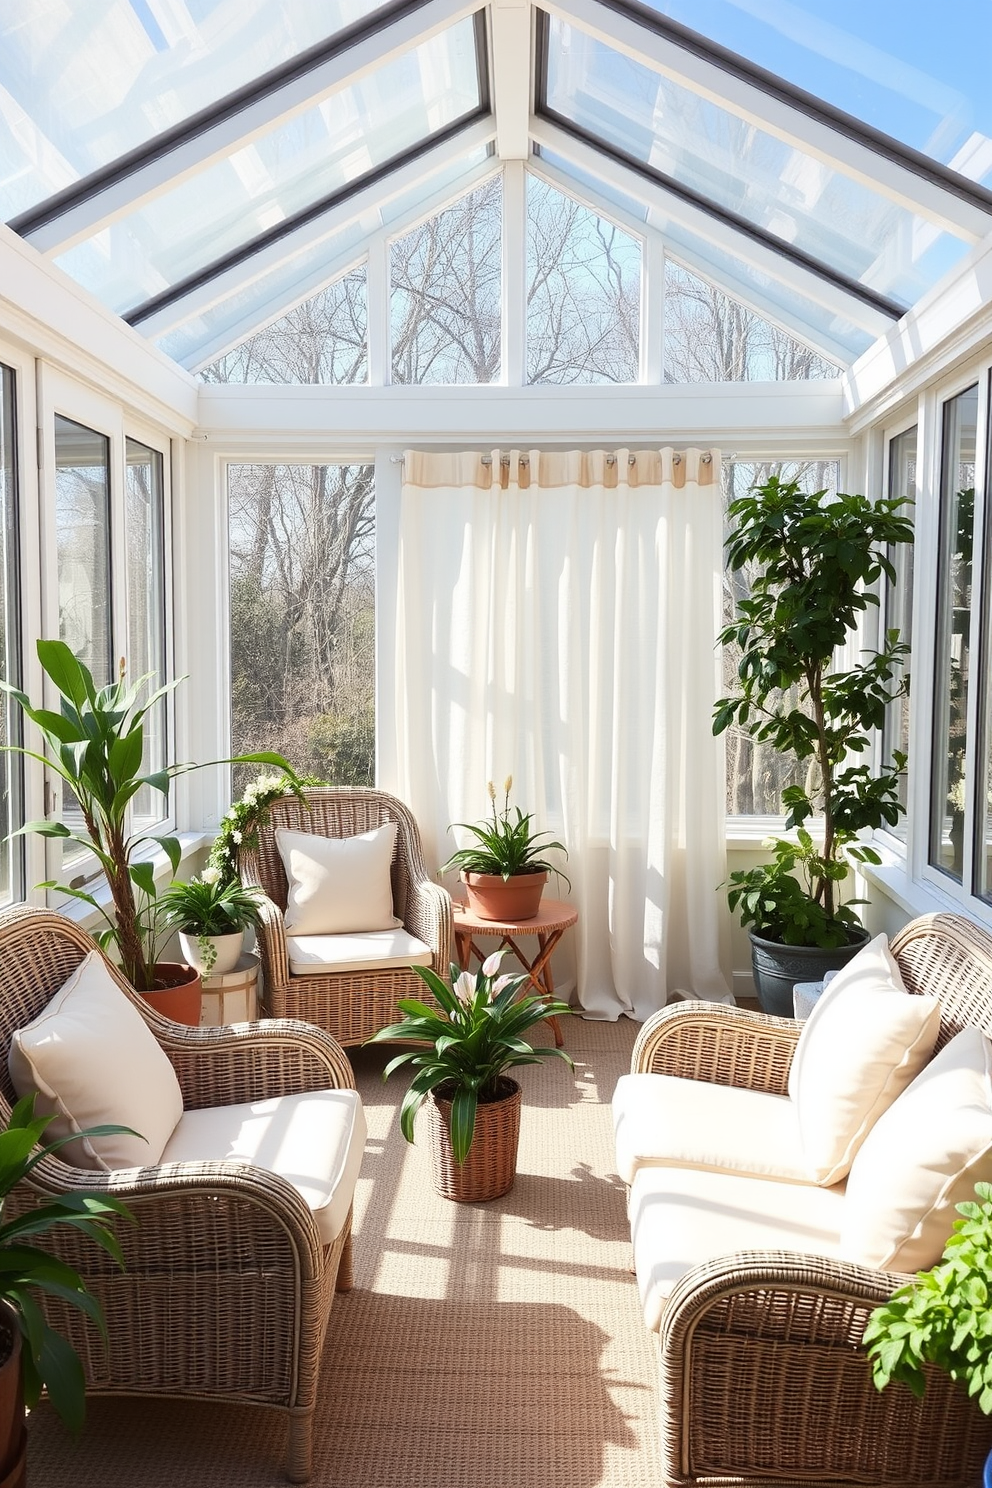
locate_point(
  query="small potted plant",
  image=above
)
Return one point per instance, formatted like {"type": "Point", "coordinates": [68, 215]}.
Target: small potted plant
{"type": "Point", "coordinates": [812, 560]}
{"type": "Point", "coordinates": [504, 870]}
{"type": "Point", "coordinates": [211, 914]}
{"type": "Point", "coordinates": [474, 1105]}
{"type": "Point", "coordinates": [32, 1355]}
{"type": "Point", "coordinates": [944, 1317]}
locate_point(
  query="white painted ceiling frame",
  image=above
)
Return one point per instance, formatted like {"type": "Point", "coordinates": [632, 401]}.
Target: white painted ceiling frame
{"type": "Point", "coordinates": [221, 139]}
{"type": "Point", "coordinates": [791, 125]}
{"type": "Point", "coordinates": [367, 198]}
{"type": "Point", "coordinates": [722, 235]}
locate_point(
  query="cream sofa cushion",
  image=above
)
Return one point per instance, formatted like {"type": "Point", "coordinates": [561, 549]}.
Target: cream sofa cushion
{"type": "Point", "coordinates": [377, 950]}
{"type": "Point", "coordinates": [315, 1141]}
{"type": "Point", "coordinates": [681, 1217]}
{"type": "Point", "coordinates": [865, 1040]}
{"type": "Point", "coordinates": [94, 1061]}
{"type": "Point", "coordinates": [338, 885]}
{"type": "Point", "coordinates": [921, 1158]}
{"type": "Point", "coordinates": [665, 1121]}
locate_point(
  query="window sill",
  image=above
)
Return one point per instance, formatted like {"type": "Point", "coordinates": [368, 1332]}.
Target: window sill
{"type": "Point", "coordinates": [87, 918]}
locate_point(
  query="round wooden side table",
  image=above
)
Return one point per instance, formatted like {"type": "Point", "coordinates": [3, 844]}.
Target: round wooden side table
{"type": "Point", "coordinates": [549, 925]}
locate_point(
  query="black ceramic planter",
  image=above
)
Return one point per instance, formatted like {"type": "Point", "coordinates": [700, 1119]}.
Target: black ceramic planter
{"type": "Point", "coordinates": [777, 968]}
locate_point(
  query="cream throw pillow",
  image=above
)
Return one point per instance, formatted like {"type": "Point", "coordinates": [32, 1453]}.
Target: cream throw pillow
{"type": "Point", "coordinates": [865, 1040]}
{"type": "Point", "coordinates": [338, 885]}
{"type": "Point", "coordinates": [921, 1158]}
{"type": "Point", "coordinates": [93, 1060]}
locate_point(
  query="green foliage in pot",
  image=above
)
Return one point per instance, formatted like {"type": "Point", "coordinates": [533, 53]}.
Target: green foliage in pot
{"type": "Point", "coordinates": [96, 745]}
{"type": "Point", "coordinates": [208, 906]}
{"type": "Point", "coordinates": [816, 559]}
{"type": "Point", "coordinates": [505, 846]}
{"type": "Point", "coordinates": [944, 1317]}
{"type": "Point", "coordinates": [47, 1360]}
{"type": "Point", "coordinates": [473, 1039]}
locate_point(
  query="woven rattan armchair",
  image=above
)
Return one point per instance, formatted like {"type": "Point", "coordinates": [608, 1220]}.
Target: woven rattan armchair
{"type": "Point", "coordinates": [763, 1378]}
{"type": "Point", "coordinates": [350, 1005]}
{"type": "Point", "coordinates": [227, 1287]}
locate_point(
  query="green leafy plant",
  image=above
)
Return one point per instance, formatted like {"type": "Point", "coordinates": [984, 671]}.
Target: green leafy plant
{"type": "Point", "coordinates": [474, 1038]}
{"type": "Point", "coordinates": [208, 906]}
{"type": "Point", "coordinates": [96, 746]}
{"type": "Point", "coordinates": [506, 845]}
{"type": "Point", "coordinates": [47, 1359]}
{"type": "Point", "coordinates": [944, 1317]}
{"type": "Point", "coordinates": [239, 829]}
{"type": "Point", "coordinates": [817, 558]}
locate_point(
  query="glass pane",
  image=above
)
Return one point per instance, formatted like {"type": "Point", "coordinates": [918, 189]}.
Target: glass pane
{"type": "Point", "coordinates": [11, 773]}
{"type": "Point", "coordinates": [950, 738]}
{"type": "Point", "coordinates": [84, 81]}
{"type": "Point", "coordinates": [756, 774]}
{"type": "Point", "coordinates": [145, 524]}
{"type": "Point", "coordinates": [838, 221]}
{"type": "Point", "coordinates": [983, 854]}
{"type": "Point", "coordinates": [82, 533]}
{"type": "Point", "coordinates": [321, 341]}
{"type": "Point", "coordinates": [923, 80]}
{"type": "Point", "coordinates": [710, 337]}
{"type": "Point", "coordinates": [899, 606]}
{"type": "Point", "coordinates": [583, 292]}
{"type": "Point", "coordinates": [445, 306]}
{"type": "Point", "coordinates": [302, 553]}
{"type": "Point", "coordinates": [292, 167]}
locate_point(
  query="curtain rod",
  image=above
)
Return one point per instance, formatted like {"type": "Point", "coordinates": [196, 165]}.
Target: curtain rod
{"type": "Point", "coordinates": [610, 459]}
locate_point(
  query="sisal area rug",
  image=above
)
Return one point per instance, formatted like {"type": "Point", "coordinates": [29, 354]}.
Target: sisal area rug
{"type": "Point", "coordinates": [496, 1345]}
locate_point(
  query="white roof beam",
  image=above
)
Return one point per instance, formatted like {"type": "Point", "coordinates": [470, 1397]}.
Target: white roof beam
{"type": "Point", "coordinates": [858, 161]}
{"type": "Point", "coordinates": [162, 172]}
{"type": "Point", "coordinates": [510, 31]}
{"type": "Point", "coordinates": [722, 235]}
{"type": "Point", "coordinates": [404, 178]}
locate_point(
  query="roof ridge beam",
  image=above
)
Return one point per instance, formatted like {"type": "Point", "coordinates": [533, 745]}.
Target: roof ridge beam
{"type": "Point", "coordinates": [510, 26]}
{"type": "Point", "coordinates": [856, 304]}
{"type": "Point", "coordinates": [103, 197]}
{"type": "Point", "coordinates": [907, 177]}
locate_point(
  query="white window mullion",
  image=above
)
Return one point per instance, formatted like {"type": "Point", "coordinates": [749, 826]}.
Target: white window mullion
{"type": "Point", "coordinates": [514, 287]}
{"type": "Point", "coordinates": [377, 289]}
{"type": "Point", "coordinates": [652, 310]}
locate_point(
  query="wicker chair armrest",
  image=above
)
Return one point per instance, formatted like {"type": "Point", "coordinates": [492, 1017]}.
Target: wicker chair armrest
{"type": "Point", "coordinates": [764, 1378]}
{"type": "Point", "coordinates": [724, 1045]}
{"type": "Point", "coordinates": [272, 942]}
{"type": "Point", "coordinates": [253, 1061]}
{"type": "Point", "coordinates": [428, 917]}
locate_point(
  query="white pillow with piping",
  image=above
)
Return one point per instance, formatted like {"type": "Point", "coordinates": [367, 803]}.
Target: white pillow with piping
{"type": "Point", "coordinates": [338, 885]}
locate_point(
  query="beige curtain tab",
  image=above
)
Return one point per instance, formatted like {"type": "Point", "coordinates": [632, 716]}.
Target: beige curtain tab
{"type": "Point", "coordinates": [553, 470]}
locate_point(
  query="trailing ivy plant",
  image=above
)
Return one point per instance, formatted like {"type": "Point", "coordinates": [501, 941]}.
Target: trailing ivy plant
{"type": "Point", "coordinates": [817, 558]}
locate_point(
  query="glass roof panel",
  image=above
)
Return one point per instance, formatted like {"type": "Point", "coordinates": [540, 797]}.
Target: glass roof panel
{"type": "Point", "coordinates": [83, 82]}
{"type": "Point", "coordinates": [774, 298]}
{"type": "Point", "coordinates": [281, 173]}
{"type": "Point", "coordinates": [917, 71]}
{"type": "Point", "coordinates": [724, 159]}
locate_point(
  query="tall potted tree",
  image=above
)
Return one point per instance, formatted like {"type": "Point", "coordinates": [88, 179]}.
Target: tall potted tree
{"type": "Point", "coordinates": [96, 745]}
{"type": "Point", "coordinates": [814, 559]}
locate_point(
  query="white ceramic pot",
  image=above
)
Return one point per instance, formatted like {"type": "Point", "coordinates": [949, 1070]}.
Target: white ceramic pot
{"type": "Point", "coordinates": [228, 951]}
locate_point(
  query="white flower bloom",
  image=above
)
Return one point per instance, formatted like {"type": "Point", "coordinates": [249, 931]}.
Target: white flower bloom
{"type": "Point", "coordinates": [236, 836]}
{"type": "Point", "coordinates": [491, 964]}
{"type": "Point", "coordinates": [501, 982]}
{"type": "Point", "coordinates": [464, 987]}
{"type": "Point", "coordinates": [210, 876]}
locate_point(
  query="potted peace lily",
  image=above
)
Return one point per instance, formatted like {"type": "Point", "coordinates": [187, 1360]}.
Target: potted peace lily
{"type": "Point", "coordinates": [474, 1105]}
{"type": "Point", "coordinates": [811, 560]}
{"type": "Point", "coordinates": [211, 914]}
{"type": "Point", "coordinates": [504, 870]}
{"type": "Point", "coordinates": [95, 744]}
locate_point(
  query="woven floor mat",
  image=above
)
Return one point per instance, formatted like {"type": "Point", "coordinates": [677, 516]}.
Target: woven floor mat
{"type": "Point", "coordinates": [484, 1346]}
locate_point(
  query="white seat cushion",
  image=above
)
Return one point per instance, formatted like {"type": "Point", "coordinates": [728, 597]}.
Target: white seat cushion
{"type": "Point", "coordinates": [315, 1141]}
{"type": "Point", "coordinates": [377, 950]}
{"type": "Point", "coordinates": [680, 1218]}
{"type": "Point", "coordinates": [921, 1159]}
{"type": "Point", "coordinates": [94, 1061]}
{"type": "Point", "coordinates": [664, 1121]}
{"type": "Point", "coordinates": [338, 885]}
{"type": "Point", "coordinates": [864, 1041]}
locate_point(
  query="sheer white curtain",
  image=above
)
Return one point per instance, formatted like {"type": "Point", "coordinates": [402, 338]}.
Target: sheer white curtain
{"type": "Point", "coordinates": [556, 620]}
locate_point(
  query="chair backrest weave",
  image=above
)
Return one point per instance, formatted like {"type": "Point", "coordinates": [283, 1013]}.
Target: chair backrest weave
{"type": "Point", "coordinates": [949, 957]}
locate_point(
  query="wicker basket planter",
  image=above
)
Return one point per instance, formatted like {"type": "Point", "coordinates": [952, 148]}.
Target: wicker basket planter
{"type": "Point", "coordinates": [491, 1165]}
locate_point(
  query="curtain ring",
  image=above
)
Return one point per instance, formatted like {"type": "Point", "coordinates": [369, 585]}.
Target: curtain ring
{"type": "Point", "coordinates": [486, 460]}
{"type": "Point", "coordinates": [707, 459]}
{"type": "Point", "coordinates": [631, 459]}
{"type": "Point", "coordinates": [611, 459]}
{"type": "Point", "coordinates": [676, 459]}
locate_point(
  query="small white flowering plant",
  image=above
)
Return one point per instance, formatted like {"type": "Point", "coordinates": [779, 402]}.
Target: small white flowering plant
{"type": "Point", "coordinates": [239, 828]}
{"type": "Point", "coordinates": [505, 846]}
{"type": "Point", "coordinates": [475, 1034]}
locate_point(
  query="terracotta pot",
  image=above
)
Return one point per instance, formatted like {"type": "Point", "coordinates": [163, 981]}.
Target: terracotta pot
{"type": "Point", "coordinates": [507, 899]}
{"type": "Point", "coordinates": [491, 1165]}
{"type": "Point", "coordinates": [177, 992]}
{"type": "Point", "coordinates": [13, 1434]}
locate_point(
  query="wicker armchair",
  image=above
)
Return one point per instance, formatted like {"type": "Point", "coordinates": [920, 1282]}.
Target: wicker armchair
{"type": "Point", "coordinates": [763, 1379]}
{"type": "Point", "coordinates": [350, 1005]}
{"type": "Point", "coordinates": [228, 1287]}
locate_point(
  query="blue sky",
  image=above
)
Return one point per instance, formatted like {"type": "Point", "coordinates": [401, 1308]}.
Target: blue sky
{"type": "Point", "coordinates": [917, 69]}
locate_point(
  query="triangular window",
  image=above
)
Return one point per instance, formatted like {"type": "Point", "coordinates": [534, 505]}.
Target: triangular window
{"type": "Point", "coordinates": [323, 341]}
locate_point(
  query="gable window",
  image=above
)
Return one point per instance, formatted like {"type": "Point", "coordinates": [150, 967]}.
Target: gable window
{"type": "Point", "coordinates": [899, 606]}
{"type": "Point", "coordinates": [11, 768]}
